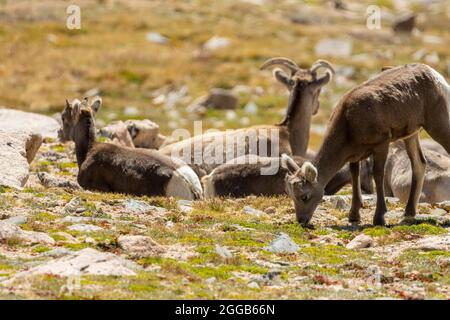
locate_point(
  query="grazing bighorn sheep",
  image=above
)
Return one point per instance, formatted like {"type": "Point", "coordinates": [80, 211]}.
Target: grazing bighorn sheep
{"type": "Point", "coordinates": [111, 168]}
{"type": "Point", "coordinates": [244, 176]}
{"type": "Point", "coordinates": [396, 104]}
{"type": "Point", "coordinates": [436, 186]}
{"type": "Point", "coordinates": [293, 131]}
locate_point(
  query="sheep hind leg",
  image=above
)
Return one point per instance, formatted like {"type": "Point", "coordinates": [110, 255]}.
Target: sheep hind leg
{"type": "Point", "coordinates": [418, 165]}
{"type": "Point", "coordinates": [354, 216]}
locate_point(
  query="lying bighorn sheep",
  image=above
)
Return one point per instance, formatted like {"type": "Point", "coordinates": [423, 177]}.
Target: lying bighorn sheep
{"type": "Point", "coordinates": [111, 168]}
{"type": "Point", "coordinates": [134, 133]}
{"type": "Point", "coordinates": [436, 186]}
{"type": "Point", "coordinates": [245, 176]}
{"type": "Point", "coordinates": [394, 105]}
{"type": "Point", "coordinates": [304, 86]}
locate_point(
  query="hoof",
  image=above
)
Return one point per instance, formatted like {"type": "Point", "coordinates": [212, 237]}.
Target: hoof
{"type": "Point", "coordinates": [408, 220]}
{"type": "Point", "coordinates": [379, 221]}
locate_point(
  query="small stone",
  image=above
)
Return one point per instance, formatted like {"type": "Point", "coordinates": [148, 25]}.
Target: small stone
{"type": "Point", "coordinates": [283, 244]}
{"type": "Point", "coordinates": [56, 253]}
{"type": "Point", "coordinates": [334, 47]}
{"type": "Point", "coordinates": [156, 37]}
{"type": "Point", "coordinates": [140, 246]}
{"type": "Point", "coordinates": [253, 211]}
{"type": "Point", "coordinates": [441, 243]}
{"type": "Point", "coordinates": [223, 252]}
{"type": "Point", "coordinates": [49, 181]}
{"type": "Point", "coordinates": [170, 224]}
{"type": "Point", "coordinates": [89, 240]}
{"type": "Point", "coordinates": [360, 241]}
{"type": "Point", "coordinates": [444, 205]}
{"type": "Point", "coordinates": [185, 205]}
{"type": "Point", "coordinates": [251, 108]}
{"type": "Point", "coordinates": [81, 227]}
{"type": "Point", "coordinates": [339, 202]}
{"type": "Point", "coordinates": [136, 206]}
{"type": "Point", "coordinates": [72, 205]}
{"type": "Point", "coordinates": [211, 280]}
{"type": "Point", "coordinates": [438, 212]}
{"type": "Point", "coordinates": [216, 43]}
{"type": "Point", "coordinates": [405, 24]}
{"type": "Point", "coordinates": [253, 285]}
{"type": "Point", "coordinates": [270, 210]}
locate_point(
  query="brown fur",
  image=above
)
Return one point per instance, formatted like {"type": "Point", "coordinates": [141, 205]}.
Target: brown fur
{"type": "Point", "coordinates": [111, 168]}
{"type": "Point", "coordinates": [304, 87]}
{"type": "Point", "coordinates": [241, 179]}
{"type": "Point", "coordinates": [394, 105]}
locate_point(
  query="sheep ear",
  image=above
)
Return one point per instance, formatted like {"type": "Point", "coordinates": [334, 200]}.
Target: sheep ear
{"type": "Point", "coordinates": [289, 164]}
{"type": "Point", "coordinates": [281, 76]}
{"type": "Point", "coordinates": [76, 105]}
{"type": "Point", "coordinates": [96, 104]}
{"type": "Point", "coordinates": [309, 171]}
{"type": "Point", "coordinates": [67, 104]}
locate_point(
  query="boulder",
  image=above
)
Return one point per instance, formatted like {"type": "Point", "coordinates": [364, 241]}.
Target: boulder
{"type": "Point", "coordinates": [9, 231]}
{"type": "Point", "coordinates": [85, 262]}
{"type": "Point", "coordinates": [17, 150]}
{"type": "Point", "coordinates": [49, 181]}
{"type": "Point", "coordinates": [217, 99]}
{"type": "Point", "coordinates": [140, 246]}
{"type": "Point", "coordinates": [16, 120]}
{"type": "Point", "coordinates": [405, 24]}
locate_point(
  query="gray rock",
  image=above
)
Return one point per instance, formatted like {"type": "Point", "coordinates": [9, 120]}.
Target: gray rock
{"type": "Point", "coordinates": [14, 120]}
{"type": "Point", "coordinates": [405, 24]}
{"type": "Point", "coordinates": [156, 37]}
{"type": "Point", "coordinates": [82, 227]}
{"type": "Point", "coordinates": [251, 108]}
{"type": "Point", "coordinates": [57, 252]}
{"type": "Point", "coordinates": [223, 252]}
{"type": "Point", "coordinates": [140, 246]}
{"type": "Point", "coordinates": [253, 211]}
{"type": "Point", "coordinates": [137, 206]}
{"type": "Point", "coordinates": [218, 99]}
{"type": "Point", "coordinates": [434, 243]}
{"type": "Point", "coordinates": [216, 43]}
{"type": "Point", "coordinates": [360, 241]}
{"type": "Point", "coordinates": [85, 262]}
{"type": "Point", "coordinates": [444, 205]}
{"type": "Point", "coordinates": [17, 150]}
{"type": "Point", "coordinates": [283, 244]}
{"type": "Point", "coordinates": [73, 206]}
{"type": "Point", "coordinates": [9, 231]}
{"type": "Point", "coordinates": [334, 48]}
{"type": "Point", "coordinates": [185, 205]}
{"type": "Point", "coordinates": [49, 181]}
{"type": "Point", "coordinates": [339, 202]}
{"type": "Point", "coordinates": [16, 220]}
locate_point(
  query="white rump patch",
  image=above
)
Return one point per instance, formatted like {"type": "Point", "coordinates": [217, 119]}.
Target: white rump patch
{"type": "Point", "coordinates": [185, 184]}
{"type": "Point", "coordinates": [443, 86]}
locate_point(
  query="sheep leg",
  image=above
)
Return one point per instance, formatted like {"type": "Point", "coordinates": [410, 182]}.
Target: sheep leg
{"type": "Point", "coordinates": [379, 162]}
{"type": "Point", "coordinates": [357, 198]}
{"type": "Point", "coordinates": [418, 165]}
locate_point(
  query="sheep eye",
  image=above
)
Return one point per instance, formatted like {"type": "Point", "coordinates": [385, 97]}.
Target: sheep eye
{"type": "Point", "coordinates": [306, 197]}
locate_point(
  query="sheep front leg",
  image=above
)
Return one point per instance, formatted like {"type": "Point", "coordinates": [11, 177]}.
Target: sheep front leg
{"type": "Point", "coordinates": [379, 158]}
{"type": "Point", "coordinates": [354, 216]}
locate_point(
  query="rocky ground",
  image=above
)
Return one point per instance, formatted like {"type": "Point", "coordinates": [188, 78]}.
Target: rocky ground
{"type": "Point", "coordinates": [157, 60]}
{"type": "Point", "coordinates": [65, 243]}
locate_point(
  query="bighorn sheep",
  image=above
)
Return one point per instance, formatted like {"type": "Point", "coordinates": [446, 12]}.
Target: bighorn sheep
{"type": "Point", "coordinates": [291, 135]}
{"type": "Point", "coordinates": [396, 104]}
{"type": "Point", "coordinates": [111, 168]}
{"type": "Point", "coordinates": [244, 176]}
{"type": "Point", "coordinates": [436, 186]}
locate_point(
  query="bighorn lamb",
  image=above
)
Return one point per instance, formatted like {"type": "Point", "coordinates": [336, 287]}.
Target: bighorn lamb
{"type": "Point", "coordinates": [304, 86]}
{"type": "Point", "coordinates": [436, 186]}
{"type": "Point", "coordinates": [396, 104]}
{"type": "Point", "coordinates": [244, 176]}
{"type": "Point", "coordinates": [111, 168]}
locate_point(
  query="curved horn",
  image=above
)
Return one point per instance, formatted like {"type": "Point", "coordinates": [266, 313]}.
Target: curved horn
{"type": "Point", "coordinates": [280, 61]}
{"type": "Point", "coordinates": [321, 64]}
{"type": "Point", "coordinates": [323, 80]}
